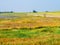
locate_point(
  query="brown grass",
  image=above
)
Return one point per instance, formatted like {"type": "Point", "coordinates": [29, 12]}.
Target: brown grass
{"type": "Point", "coordinates": [43, 40]}
{"type": "Point", "coordinates": [29, 22]}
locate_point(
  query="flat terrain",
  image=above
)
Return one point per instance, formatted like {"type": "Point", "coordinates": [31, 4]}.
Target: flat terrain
{"type": "Point", "coordinates": [38, 36]}
{"type": "Point", "coordinates": [30, 28]}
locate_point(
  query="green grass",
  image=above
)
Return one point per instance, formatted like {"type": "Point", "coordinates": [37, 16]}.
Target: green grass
{"type": "Point", "coordinates": [27, 33]}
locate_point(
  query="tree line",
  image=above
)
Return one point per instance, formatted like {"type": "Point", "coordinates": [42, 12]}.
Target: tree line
{"type": "Point", "coordinates": [7, 12]}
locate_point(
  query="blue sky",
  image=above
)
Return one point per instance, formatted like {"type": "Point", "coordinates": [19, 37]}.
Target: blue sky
{"type": "Point", "coordinates": [29, 5]}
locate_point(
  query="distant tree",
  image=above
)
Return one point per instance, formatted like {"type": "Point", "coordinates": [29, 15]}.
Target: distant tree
{"type": "Point", "coordinates": [0, 12]}
{"type": "Point", "coordinates": [46, 11]}
{"type": "Point", "coordinates": [7, 12]}
{"type": "Point", "coordinates": [11, 11]}
{"type": "Point", "coordinates": [34, 11]}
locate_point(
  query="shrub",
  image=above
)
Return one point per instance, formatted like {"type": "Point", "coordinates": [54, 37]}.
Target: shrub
{"type": "Point", "coordinates": [47, 29]}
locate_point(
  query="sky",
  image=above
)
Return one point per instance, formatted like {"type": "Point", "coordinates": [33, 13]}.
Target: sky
{"type": "Point", "coordinates": [29, 5]}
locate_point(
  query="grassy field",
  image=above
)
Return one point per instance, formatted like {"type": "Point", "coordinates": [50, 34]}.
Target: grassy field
{"type": "Point", "coordinates": [30, 28]}
{"type": "Point", "coordinates": [40, 36]}
{"type": "Point", "coordinates": [28, 33]}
